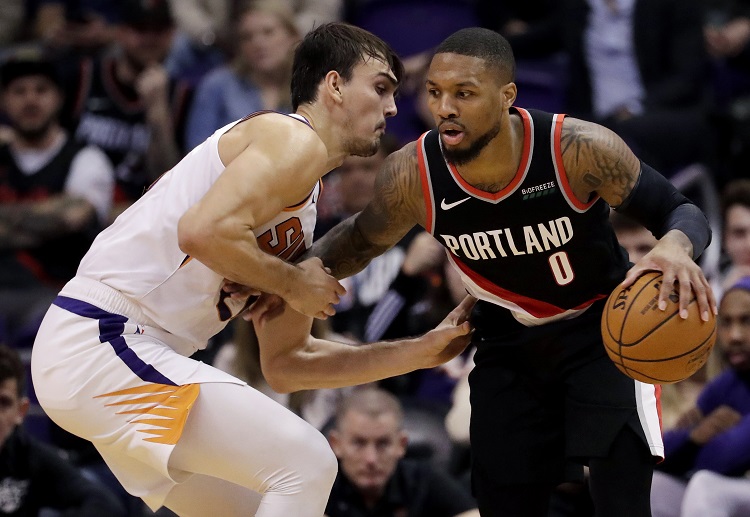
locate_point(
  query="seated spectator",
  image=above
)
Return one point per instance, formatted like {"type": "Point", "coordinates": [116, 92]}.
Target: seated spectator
{"type": "Point", "coordinates": [735, 210]}
{"type": "Point", "coordinates": [83, 27]}
{"type": "Point", "coordinates": [34, 475]}
{"type": "Point", "coordinates": [374, 480]}
{"type": "Point", "coordinates": [124, 102]}
{"type": "Point", "coordinates": [714, 435]}
{"type": "Point", "coordinates": [257, 79]}
{"type": "Point", "coordinates": [639, 68]}
{"type": "Point", "coordinates": [55, 195]}
{"type": "Point", "coordinates": [202, 40]}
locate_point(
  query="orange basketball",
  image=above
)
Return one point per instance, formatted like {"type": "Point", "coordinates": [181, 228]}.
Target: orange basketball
{"type": "Point", "coordinates": [651, 345]}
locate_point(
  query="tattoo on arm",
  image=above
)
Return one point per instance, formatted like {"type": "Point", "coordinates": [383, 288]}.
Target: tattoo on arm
{"type": "Point", "coordinates": [396, 207]}
{"type": "Point", "coordinates": [597, 160]}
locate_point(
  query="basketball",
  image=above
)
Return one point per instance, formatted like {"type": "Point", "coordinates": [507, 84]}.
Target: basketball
{"type": "Point", "coordinates": [651, 345]}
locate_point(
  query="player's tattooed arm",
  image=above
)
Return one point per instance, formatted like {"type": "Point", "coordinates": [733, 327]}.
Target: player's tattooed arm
{"type": "Point", "coordinates": [397, 206]}
{"type": "Point", "coordinates": [597, 161]}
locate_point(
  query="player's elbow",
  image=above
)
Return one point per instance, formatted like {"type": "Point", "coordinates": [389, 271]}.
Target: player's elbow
{"type": "Point", "coordinates": [282, 373]}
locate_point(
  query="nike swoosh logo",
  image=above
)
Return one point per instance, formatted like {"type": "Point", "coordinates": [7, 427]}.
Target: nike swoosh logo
{"type": "Point", "coordinates": [448, 206]}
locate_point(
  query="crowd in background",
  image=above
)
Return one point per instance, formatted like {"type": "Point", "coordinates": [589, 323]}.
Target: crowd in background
{"type": "Point", "coordinates": [100, 97]}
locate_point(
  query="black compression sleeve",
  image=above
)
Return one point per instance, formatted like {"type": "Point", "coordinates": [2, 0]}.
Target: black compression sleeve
{"type": "Point", "coordinates": [659, 206]}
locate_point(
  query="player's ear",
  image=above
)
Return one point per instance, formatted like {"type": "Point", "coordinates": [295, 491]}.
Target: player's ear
{"type": "Point", "coordinates": [509, 92]}
{"type": "Point", "coordinates": [333, 82]}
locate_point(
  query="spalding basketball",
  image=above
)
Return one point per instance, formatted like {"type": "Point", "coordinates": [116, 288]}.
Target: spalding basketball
{"type": "Point", "coordinates": [651, 345]}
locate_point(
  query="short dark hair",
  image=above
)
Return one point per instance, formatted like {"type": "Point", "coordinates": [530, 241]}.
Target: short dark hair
{"type": "Point", "coordinates": [736, 192]}
{"type": "Point", "coordinates": [484, 44]}
{"type": "Point", "coordinates": [146, 14]}
{"type": "Point", "coordinates": [27, 63]}
{"type": "Point", "coordinates": [335, 46]}
{"type": "Point", "coordinates": [11, 367]}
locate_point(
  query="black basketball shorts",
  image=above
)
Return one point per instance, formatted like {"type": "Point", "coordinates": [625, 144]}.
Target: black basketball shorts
{"type": "Point", "coordinates": [543, 396]}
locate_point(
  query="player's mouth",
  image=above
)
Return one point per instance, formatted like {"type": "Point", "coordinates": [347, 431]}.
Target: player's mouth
{"type": "Point", "coordinates": [452, 133]}
{"type": "Point", "coordinates": [452, 136]}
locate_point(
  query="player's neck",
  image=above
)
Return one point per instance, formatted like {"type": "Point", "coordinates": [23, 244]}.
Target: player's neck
{"type": "Point", "coordinates": [497, 164]}
{"type": "Point", "coordinates": [326, 129]}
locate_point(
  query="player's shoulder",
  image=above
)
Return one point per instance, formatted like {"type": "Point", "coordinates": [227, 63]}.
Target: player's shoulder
{"type": "Point", "coordinates": [403, 161]}
{"type": "Point", "coordinates": [279, 125]}
{"type": "Point", "coordinates": [576, 130]}
{"type": "Point", "coordinates": [270, 130]}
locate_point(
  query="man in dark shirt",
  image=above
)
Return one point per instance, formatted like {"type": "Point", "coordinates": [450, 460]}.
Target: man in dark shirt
{"type": "Point", "coordinates": [34, 475]}
{"type": "Point", "coordinates": [374, 480]}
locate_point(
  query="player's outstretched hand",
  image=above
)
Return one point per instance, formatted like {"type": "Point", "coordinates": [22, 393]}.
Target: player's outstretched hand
{"type": "Point", "coordinates": [318, 292]}
{"type": "Point", "coordinates": [451, 336]}
{"type": "Point", "coordinates": [669, 257]}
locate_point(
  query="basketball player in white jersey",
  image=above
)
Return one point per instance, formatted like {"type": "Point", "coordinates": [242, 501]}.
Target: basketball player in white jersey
{"type": "Point", "coordinates": [111, 360]}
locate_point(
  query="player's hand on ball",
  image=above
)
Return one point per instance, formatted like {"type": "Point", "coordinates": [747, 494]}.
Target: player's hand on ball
{"type": "Point", "coordinates": [671, 258]}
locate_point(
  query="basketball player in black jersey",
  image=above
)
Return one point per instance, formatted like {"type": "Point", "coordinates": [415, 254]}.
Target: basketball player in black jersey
{"type": "Point", "coordinates": [520, 199]}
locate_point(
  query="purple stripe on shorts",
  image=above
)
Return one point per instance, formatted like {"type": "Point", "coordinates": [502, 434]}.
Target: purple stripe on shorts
{"type": "Point", "coordinates": [111, 328]}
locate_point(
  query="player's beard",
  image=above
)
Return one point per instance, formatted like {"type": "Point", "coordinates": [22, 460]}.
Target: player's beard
{"type": "Point", "coordinates": [464, 156]}
{"type": "Point", "coordinates": [362, 147]}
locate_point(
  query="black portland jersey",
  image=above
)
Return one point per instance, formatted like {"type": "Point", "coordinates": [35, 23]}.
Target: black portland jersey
{"type": "Point", "coordinates": [532, 247]}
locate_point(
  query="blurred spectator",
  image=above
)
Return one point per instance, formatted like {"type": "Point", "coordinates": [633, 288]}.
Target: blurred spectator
{"type": "Point", "coordinates": [12, 21]}
{"type": "Point", "coordinates": [55, 195]}
{"type": "Point", "coordinates": [83, 27]}
{"type": "Point", "coordinates": [639, 67]}
{"type": "Point", "coordinates": [258, 78]}
{"type": "Point", "coordinates": [312, 13]}
{"type": "Point", "coordinates": [33, 475]}
{"type": "Point", "coordinates": [201, 41]}
{"type": "Point", "coordinates": [735, 209]}
{"type": "Point", "coordinates": [413, 28]}
{"type": "Point", "coordinates": [125, 103]}
{"type": "Point", "coordinates": [727, 31]}
{"type": "Point", "coordinates": [633, 236]}
{"type": "Point", "coordinates": [727, 36]}
{"type": "Point", "coordinates": [709, 493]}
{"type": "Point", "coordinates": [714, 435]}
{"type": "Point", "coordinates": [374, 480]}
{"type": "Point", "coordinates": [530, 27]}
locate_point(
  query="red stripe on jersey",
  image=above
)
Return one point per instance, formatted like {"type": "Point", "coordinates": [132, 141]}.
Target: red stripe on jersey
{"type": "Point", "coordinates": [536, 308]}
{"type": "Point", "coordinates": [429, 216]}
{"type": "Point", "coordinates": [561, 168]}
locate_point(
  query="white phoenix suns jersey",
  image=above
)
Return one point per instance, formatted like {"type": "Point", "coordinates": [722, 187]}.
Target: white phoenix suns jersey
{"type": "Point", "coordinates": [138, 254]}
